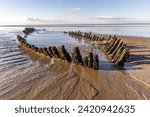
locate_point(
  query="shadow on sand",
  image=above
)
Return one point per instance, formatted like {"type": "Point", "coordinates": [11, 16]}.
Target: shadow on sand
{"type": "Point", "coordinates": [132, 62]}
{"type": "Point", "coordinates": [135, 60]}
{"type": "Point", "coordinates": [104, 65]}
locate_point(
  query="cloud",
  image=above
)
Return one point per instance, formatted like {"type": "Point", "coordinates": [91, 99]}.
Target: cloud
{"type": "Point", "coordinates": [76, 9]}
{"type": "Point", "coordinates": [79, 20]}
{"type": "Point", "coordinates": [36, 20]}
{"type": "Point", "coordinates": [59, 20]}
{"type": "Point", "coordinates": [113, 19]}
{"type": "Point", "coordinates": [108, 17]}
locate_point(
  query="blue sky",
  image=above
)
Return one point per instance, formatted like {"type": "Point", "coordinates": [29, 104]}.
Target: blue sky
{"type": "Point", "coordinates": [73, 11]}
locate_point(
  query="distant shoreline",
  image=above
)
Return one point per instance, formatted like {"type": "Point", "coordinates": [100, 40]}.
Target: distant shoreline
{"type": "Point", "coordinates": [78, 25]}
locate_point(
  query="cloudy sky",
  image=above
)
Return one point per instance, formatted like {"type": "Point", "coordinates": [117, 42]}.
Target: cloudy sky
{"type": "Point", "coordinates": [73, 11]}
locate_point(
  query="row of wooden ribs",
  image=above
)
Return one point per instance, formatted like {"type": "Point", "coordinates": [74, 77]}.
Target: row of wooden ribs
{"type": "Point", "coordinates": [90, 60]}
{"type": "Point", "coordinates": [27, 31]}
{"type": "Point", "coordinates": [115, 50]}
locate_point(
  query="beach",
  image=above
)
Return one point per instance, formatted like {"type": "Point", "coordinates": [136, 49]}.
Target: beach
{"type": "Point", "coordinates": [44, 78]}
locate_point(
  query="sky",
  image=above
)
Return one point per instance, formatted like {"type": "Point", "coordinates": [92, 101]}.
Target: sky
{"type": "Point", "coordinates": [73, 11]}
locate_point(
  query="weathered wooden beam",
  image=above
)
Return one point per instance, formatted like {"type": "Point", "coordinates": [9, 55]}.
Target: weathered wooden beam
{"type": "Point", "coordinates": [55, 52]}
{"type": "Point", "coordinates": [64, 54]}
{"type": "Point", "coordinates": [96, 62]}
{"type": "Point", "coordinates": [90, 60]}
{"type": "Point", "coordinates": [113, 47]}
{"type": "Point", "coordinates": [76, 56]}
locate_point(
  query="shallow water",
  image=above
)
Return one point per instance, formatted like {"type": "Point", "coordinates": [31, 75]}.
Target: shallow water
{"type": "Point", "coordinates": [52, 38]}
{"type": "Point", "coordinates": [142, 30]}
{"type": "Point", "coordinates": [11, 57]}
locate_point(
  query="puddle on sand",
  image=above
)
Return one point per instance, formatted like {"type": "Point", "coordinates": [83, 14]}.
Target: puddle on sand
{"type": "Point", "coordinates": [51, 38]}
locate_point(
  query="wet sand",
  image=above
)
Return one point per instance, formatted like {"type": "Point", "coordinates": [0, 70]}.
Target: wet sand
{"type": "Point", "coordinates": [57, 79]}
{"type": "Point", "coordinates": [139, 60]}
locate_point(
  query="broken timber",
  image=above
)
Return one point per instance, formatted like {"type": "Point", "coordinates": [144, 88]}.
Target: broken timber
{"type": "Point", "coordinates": [115, 50]}
{"type": "Point", "coordinates": [91, 60]}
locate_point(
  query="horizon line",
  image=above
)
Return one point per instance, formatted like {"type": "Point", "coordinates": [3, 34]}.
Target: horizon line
{"type": "Point", "coordinates": [71, 25]}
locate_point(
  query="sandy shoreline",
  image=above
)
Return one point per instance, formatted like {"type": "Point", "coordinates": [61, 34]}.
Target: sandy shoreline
{"type": "Point", "coordinates": [139, 60]}
{"type": "Point", "coordinates": [60, 80]}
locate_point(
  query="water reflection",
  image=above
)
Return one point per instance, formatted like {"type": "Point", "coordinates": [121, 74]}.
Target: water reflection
{"type": "Point", "coordinates": [53, 38]}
